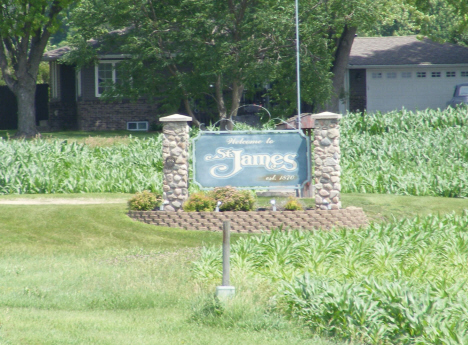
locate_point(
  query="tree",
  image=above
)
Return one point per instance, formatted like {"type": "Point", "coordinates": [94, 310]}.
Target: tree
{"type": "Point", "coordinates": [201, 50]}
{"type": "Point", "coordinates": [25, 29]}
{"type": "Point", "coordinates": [197, 50]}
{"type": "Point", "coordinates": [342, 20]}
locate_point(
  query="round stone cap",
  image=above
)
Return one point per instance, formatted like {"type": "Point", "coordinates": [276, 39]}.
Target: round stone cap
{"type": "Point", "coordinates": [175, 118]}
{"type": "Point", "coordinates": [326, 116]}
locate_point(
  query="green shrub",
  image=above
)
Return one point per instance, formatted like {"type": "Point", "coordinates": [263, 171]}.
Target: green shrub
{"type": "Point", "coordinates": [233, 199]}
{"type": "Point", "coordinates": [199, 202]}
{"type": "Point", "coordinates": [293, 204]}
{"type": "Point", "coordinates": [145, 201]}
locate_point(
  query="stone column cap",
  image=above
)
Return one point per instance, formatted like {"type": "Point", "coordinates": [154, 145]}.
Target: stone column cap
{"type": "Point", "coordinates": [326, 115]}
{"type": "Point", "coordinates": [175, 118]}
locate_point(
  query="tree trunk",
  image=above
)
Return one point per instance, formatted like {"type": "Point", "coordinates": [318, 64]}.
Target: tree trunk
{"type": "Point", "coordinates": [25, 96]}
{"type": "Point", "coordinates": [237, 90]}
{"type": "Point", "coordinates": [190, 113]}
{"type": "Point", "coordinates": [225, 124]}
{"type": "Point", "coordinates": [343, 49]}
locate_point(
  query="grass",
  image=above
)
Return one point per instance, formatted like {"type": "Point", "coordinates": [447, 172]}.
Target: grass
{"type": "Point", "coordinates": [385, 207]}
{"type": "Point", "coordinates": [88, 274]}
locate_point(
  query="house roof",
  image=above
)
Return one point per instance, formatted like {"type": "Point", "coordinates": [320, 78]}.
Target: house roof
{"type": "Point", "coordinates": [53, 55]}
{"type": "Point", "coordinates": [404, 50]}
{"type": "Point", "coordinates": [366, 51]}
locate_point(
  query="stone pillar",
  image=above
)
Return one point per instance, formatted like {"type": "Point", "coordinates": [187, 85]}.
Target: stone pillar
{"type": "Point", "coordinates": [175, 158]}
{"type": "Point", "coordinates": [327, 161]}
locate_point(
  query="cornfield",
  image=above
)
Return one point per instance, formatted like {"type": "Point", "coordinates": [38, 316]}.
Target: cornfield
{"type": "Point", "coordinates": [398, 283]}
{"type": "Point", "coordinates": [406, 153]}
{"type": "Point", "coordinates": [42, 166]}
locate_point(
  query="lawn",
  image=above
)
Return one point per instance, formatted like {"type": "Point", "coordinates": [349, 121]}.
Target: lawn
{"type": "Point", "coordinates": [88, 274]}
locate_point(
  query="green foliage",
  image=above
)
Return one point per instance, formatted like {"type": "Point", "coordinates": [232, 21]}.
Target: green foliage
{"type": "Point", "coordinates": [233, 199]}
{"type": "Point", "coordinates": [145, 201]}
{"type": "Point", "coordinates": [240, 313]}
{"type": "Point", "coordinates": [407, 153]}
{"type": "Point", "coordinates": [403, 282]}
{"type": "Point", "coordinates": [199, 202]}
{"type": "Point", "coordinates": [203, 48]}
{"type": "Point", "coordinates": [293, 204]}
{"type": "Point", "coordinates": [25, 29]}
{"type": "Point", "coordinates": [42, 166]}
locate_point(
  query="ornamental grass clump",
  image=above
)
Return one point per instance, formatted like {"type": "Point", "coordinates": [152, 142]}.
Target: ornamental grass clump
{"type": "Point", "coordinates": [145, 201]}
{"type": "Point", "coordinates": [293, 204]}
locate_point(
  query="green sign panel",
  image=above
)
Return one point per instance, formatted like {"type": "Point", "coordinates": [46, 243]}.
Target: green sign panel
{"type": "Point", "coordinates": [266, 159]}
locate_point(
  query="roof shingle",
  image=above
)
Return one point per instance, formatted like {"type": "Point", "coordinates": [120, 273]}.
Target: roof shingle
{"type": "Point", "coordinates": [404, 50]}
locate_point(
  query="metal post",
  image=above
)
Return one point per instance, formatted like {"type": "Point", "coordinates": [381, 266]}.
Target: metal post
{"type": "Point", "coordinates": [298, 68]}
{"type": "Point", "coordinates": [225, 290]}
{"type": "Point", "coordinates": [226, 251]}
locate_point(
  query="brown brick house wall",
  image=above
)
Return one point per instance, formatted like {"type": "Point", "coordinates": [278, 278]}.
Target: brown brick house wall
{"type": "Point", "coordinates": [101, 115]}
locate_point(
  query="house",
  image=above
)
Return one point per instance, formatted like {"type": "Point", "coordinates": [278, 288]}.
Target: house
{"type": "Point", "coordinates": [75, 97]}
{"type": "Point", "coordinates": [384, 74]}
{"type": "Point", "coordinates": [388, 73]}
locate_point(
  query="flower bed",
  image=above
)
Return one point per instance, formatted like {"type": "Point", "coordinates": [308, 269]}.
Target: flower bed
{"type": "Point", "coordinates": [255, 221]}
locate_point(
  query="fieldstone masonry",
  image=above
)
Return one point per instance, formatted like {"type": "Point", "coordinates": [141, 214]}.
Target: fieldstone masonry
{"type": "Point", "coordinates": [327, 161]}
{"type": "Point", "coordinates": [175, 158]}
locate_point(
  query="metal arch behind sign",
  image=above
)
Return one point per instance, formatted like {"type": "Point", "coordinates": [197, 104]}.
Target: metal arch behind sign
{"type": "Point", "coordinates": [254, 159]}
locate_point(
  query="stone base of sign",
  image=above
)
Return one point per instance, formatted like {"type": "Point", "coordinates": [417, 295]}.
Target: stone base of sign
{"type": "Point", "coordinates": [256, 221]}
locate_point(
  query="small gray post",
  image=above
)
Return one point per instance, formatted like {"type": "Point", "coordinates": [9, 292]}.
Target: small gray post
{"type": "Point", "coordinates": [226, 291]}
{"type": "Point", "coordinates": [226, 251]}
{"type": "Point", "coordinates": [175, 159]}
{"type": "Point", "coordinates": [327, 156]}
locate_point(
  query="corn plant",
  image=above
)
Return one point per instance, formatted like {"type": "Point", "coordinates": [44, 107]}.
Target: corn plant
{"type": "Point", "coordinates": [402, 282]}
{"type": "Point", "coordinates": [407, 153]}
{"type": "Point", "coordinates": [42, 166]}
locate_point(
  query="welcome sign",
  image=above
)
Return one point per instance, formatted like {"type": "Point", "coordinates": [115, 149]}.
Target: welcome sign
{"type": "Point", "coordinates": [267, 159]}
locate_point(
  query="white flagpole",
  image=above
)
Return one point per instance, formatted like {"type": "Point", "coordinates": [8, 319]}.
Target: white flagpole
{"type": "Point", "coordinates": [298, 72]}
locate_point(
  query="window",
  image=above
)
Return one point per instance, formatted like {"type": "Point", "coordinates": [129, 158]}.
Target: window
{"type": "Point", "coordinates": [420, 74]}
{"type": "Point", "coordinates": [106, 75]}
{"type": "Point", "coordinates": [435, 74]}
{"type": "Point", "coordinates": [464, 73]}
{"type": "Point", "coordinates": [406, 75]}
{"type": "Point", "coordinates": [137, 126]}
{"type": "Point", "coordinates": [391, 75]}
{"type": "Point", "coordinates": [376, 75]}
{"type": "Point", "coordinates": [463, 91]}
{"type": "Point", "coordinates": [450, 74]}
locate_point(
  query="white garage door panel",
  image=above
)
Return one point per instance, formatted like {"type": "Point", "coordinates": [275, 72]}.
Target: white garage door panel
{"type": "Point", "coordinates": [386, 94]}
